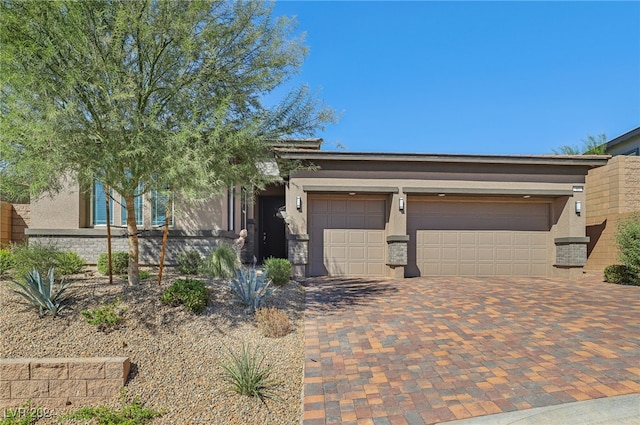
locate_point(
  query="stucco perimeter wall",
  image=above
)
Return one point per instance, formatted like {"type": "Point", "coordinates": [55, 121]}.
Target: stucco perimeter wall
{"type": "Point", "coordinates": [90, 243]}
{"type": "Point", "coordinates": [612, 194]}
{"type": "Point", "coordinates": [61, 383]}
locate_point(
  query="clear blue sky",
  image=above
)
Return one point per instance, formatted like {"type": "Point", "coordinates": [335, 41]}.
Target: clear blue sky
{"type": "Point", "coordinates": [471, 77]}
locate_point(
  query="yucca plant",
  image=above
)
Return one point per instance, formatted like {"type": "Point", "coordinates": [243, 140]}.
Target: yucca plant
{"type": "Point", "coordinates": [40, 292]}
{"type": "Point", "coordinates": [250, 288]}
{"type": "Point", "coordinates": [246, 375]}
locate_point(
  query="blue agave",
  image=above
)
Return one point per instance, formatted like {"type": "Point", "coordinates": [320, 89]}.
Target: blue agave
{"type": "Point", "coordinates": [250, 288]}
{"type": "Point", "coordinates": [40, 292]}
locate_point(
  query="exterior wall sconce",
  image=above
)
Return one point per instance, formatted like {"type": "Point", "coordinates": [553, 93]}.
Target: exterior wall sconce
{"type": "Point", "coordinates": [578, 207]}
{"type": "Point", "coordinates": [298, 203]}
{"type": "Point", "coordinates": [401, 204]}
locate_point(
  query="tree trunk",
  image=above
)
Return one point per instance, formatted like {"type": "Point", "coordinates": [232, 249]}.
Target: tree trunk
{"type": "Point", "coordinates": [165, 234]}
{"type": "Point", "coordinates": [109, 261]}
{"type": "Point", "coordinates": [132, 232]}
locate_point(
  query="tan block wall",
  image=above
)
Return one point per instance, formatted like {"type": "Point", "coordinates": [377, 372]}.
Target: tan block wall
{"type": "Point", "coordinates": [5, 223]}
{"type": "Point", "coordinates": [613, 193]}
{"type": "Point", "coordinates": [20, 220]}
{"type": "Point", "coordinates": [61, 383]}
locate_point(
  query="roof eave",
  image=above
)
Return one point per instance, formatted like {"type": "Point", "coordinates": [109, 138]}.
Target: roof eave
{"type": "Point", "coordinates": [591, 161]}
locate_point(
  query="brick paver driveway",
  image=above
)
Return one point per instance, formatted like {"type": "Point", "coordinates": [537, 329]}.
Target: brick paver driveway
{"type": "Point", "coordinates": [425, 350]}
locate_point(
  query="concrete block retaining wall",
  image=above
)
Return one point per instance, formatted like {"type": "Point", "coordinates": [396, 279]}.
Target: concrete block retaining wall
{"type": "Point", "coordinates": [90, 243]}
{"type": "Point", "coordinates": [61, 383]}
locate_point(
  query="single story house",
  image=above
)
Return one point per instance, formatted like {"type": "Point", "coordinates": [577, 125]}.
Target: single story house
{"type": "Point", "coordinates": [367, 214]}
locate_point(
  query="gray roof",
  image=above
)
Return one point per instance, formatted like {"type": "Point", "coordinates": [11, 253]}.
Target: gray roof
{"type": "Point", "coordinates": [623, 137]}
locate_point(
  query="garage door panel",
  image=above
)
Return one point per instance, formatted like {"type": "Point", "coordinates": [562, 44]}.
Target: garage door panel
{"type": "Point", "coordinates": [486, 254]}
{"type": "Point", "coordinates": [356, 253]}
{"type": "Point", "coordinates": [467, 254]}
{"type": "Point", "coordinates": [503, 269]}
{"type": "Point", "coordinates": [449, 238]}
{"type": "Point", "coordinates": [486, 239]}
{"type": "Point", "coordinates": [504, 254]}
{"type": "Point", "coordinates": [502, 238]}
{"type": "Point", "coordinates": [539, 255]}
{"type": "Point", "coordinates": [449, 253]}
{"type": "Point", "coordinates": [337, 222]}
{"type": "Point", "coordinates": [357, 237]}
{"type": "Point", "coordinates": [478, 238]}
{"type": "Point", "coordinates": [347, 236]}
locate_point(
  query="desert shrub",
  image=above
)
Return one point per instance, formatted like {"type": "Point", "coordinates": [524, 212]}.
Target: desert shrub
{"type": "Point", "coordinates": [245, 374]}
{"type": "Point", "coordinates": [39, 292]}
{"type": "Point", "coordinates": [144, 274]}
{"type": "Point", "coordinates": [130, 414]}
{"type": "Point", "coordinates": [119, 262]}
{"type": "Point", "coordinates": [24, 415]}
{"type": "Point", "coordinates": [6, 260]}
{"type": "Point", "coordinates": [620, 274]}
{"type": "Point", "coordinates": [69, 262]}
{"type": "Point", "coordinates": [628, 239]}
{"type": "Point", "coordinates": [221, 263]}
{"type": "Point", "coordinates": [190, 262]}
{"type": "Point", "coordinates": [190, 293]}
{"type": "Point", "coordinates": [106, 317]}
{"type": "Point", "coordinates": [28, 257]}
{"type": "Point", "coordinates": [250, 288]}
{"type": "Point", "coordinates": [272, 322]}
{"type": "Point", "coordinates": [278, 270]}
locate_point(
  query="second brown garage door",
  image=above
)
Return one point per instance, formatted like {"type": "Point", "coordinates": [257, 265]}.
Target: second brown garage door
{"type": "Point", "coordinates": [458, 238]}
{"type": "Point", "coordinates": [347, 235]}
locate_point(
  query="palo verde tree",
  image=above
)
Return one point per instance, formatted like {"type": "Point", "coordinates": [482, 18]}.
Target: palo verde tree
{"type": "Point", "coordinates": [146, 95]}
{"type": "Point", "coordinates": [593, 145]}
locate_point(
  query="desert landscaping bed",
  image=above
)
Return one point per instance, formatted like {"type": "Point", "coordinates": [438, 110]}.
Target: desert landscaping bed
{"type": "Point", "coordinates": [175, 354]}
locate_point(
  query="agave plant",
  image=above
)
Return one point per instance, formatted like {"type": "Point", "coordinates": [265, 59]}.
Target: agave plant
{"type": "Point", "coordinates": [250, 288]}
{"type": "Point", "coordinates": [40, 292]}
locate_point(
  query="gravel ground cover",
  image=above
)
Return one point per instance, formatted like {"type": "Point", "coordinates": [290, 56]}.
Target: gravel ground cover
{"type": "Point", "coordinates": [175, 354]}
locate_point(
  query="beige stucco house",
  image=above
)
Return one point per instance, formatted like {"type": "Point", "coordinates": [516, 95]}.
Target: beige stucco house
{"type": "Point", "coordinates": [369, 214]}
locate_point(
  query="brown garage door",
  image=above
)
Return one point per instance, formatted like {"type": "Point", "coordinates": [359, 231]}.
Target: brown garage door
{"type": "Point", "coordinates": [478, 238]}
{"type": "Point", "coordinates": [347, 236]}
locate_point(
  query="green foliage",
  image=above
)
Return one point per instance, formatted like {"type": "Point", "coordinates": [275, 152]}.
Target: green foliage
{"type": "Point", "coordinates": [28, 257]}
{"type": "Point", "coordinates": [628, 239]}
{"type": "Point", "coordinates": [7, 262]}
{"type": "Point", "coordinates": [190, 293]}
{"type": "Point", "coordinates": [106, 317]}
{"type": "Point", "coordinates": [278, 270]}
{"type": "Point", "coordinates": [272, 322]}
{"type": "Point", "coordinates": [131, 414]}
{"type": "Point", "coordinates": [190, 262]}
{"type": "Point", "coordinates": [594, 145]}
{"type": "Point", "coordinates": [24, 415]}
{"type": "Point", "coordinates": [139, 93]}
{"type": "Point", "coordinates": [245, 374]}
{"type": "Point", "coordinates": [144, 274]}
{"type": "Point", "coordinates": [40, 292]}
{"type": "Point", "coordinates": [250, 288]}
{"type": "Point", "coordinates": [221, 263]}
{"type": "Point", "coordinates": [119, 262]}
{"type": "Point", "coordinates": [69, 263]}
{"type": "Point", "coordinates": [620, 274]}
